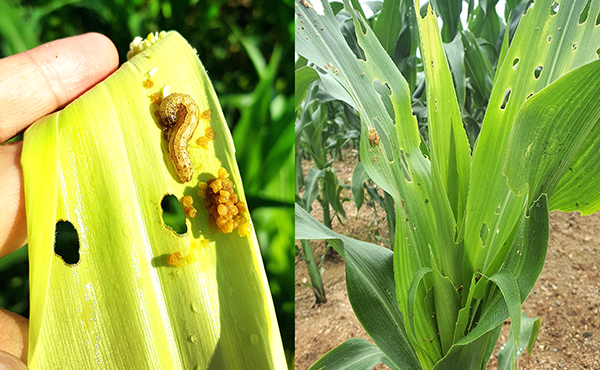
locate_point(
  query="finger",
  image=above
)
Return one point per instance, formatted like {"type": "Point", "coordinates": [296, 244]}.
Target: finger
{"type": "Point", "coordinates": [38, 81]}
{"type": "Point", "coordinates": [10, 362]}
{"type": "Point", "coordinates": [13, 228]}
{"type": "Point", "coordinates": [14, 334]}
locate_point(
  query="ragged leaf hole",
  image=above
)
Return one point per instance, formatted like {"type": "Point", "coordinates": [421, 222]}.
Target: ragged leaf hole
{"type": "Point", "coordinates": [574, 46]}
{"type": "Point", "coordinates": [584, 13]}
{"type": "Point", "coordinates": [549, 38]}
{"type": "Point", "coordinates": [66, 242]}
{"type": "Point", "coordinates": [173, 214]}
{"type": "Point", "coordinates": [483, 234]}
{"type": "Point", "coordinates": [515, 63]}
{"type": "Point", "coordinates": [554, 8]}
{"type": "Point", "coordinates": [506, 98]}
{"type": "Point", "coordinates": [530, 6]}
{"type": "Point", "coordinates": [537, 72]}
{"type": "Point", "coordinates": [598, 19]}
{"type": "Point", "coordinates": [404, 166]}
{"type": "Point", "coordinates": [384, 91]}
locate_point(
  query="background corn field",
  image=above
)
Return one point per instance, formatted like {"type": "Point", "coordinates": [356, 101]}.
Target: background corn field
{"type": "Point", "coordinates": [247, 49]}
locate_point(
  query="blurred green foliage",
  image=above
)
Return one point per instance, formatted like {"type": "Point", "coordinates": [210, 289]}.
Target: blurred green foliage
{"type": "Point", "coordinates": [247, 48]}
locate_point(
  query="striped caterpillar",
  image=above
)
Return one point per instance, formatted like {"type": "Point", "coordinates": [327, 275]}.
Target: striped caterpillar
{"type": "Point", "coordinates": [180, 112]}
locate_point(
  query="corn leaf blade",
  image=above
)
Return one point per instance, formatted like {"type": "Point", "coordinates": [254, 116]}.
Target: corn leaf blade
{"type": "Point", "coordinates": [102, 164]}
{"type": "Point", "coordinates": [525, 261]}
{"type": "Point", "coordinates": [530, 326]}
{"type": "Point", "coordinates": [353, 354]}
{"type": "Point", "coordinates": [371, 290]}
{"type": "Point", "coordinates": [549, 131]}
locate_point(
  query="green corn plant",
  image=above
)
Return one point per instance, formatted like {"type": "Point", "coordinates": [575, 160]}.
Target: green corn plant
{"type": "Point", "coordinates": [320, 134]}
{"type": "Point", "coordinates": [323, 127]}
{"type": "Point", "coordinates": [361, 183]}
{"type": "Point", "coordinates": [471, 227]}
{"type": "Point", "coordinates": [103, 165]}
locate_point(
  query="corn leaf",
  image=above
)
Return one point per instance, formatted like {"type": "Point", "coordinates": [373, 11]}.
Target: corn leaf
{"type": "Point", "coordinates": [525, 262]}
{"type": "Point", "coordinates": [455, 52]}
{"type": "Point", "coordinates": [450, 12]}
{"type": "Point", "coordinates": [102, 164]}
{"type": "Point", "coordinates": [509, 352]}
{"type": "Point", "coordinates": [353, 354]}
{"type": "Point", "coordinates": [303, 77]}
{"type": "Point", "coordinates": [388, 25]}
{"type": "Point", "coordinates": [370, 285]}
{"type": "Point", "coordinates": [359, 176]}
{"type": "Point", "coordinates": [541, 40]}
{"type": "Point", "coordinates": [448, 142]}
{"type": "Point", "coordinates": [549, 131]}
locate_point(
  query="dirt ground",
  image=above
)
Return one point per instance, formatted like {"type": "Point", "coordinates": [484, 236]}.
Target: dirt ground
{"type": "Point", "coordinates": [566, 295]}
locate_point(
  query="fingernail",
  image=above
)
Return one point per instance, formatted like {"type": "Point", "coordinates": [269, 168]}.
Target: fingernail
{"type": "Point", "coordinates": [10, 362]}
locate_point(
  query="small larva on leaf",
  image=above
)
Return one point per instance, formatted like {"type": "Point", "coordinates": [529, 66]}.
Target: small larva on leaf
{"type": "Point", "coordinates": [180, 112]}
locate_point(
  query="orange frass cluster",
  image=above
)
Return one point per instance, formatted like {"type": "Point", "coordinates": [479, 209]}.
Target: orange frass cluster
{"type": "Point", "coordinates": [148, 83]}
{"type": "Point", "coordinates": [179, 260]}
{"type": "Point", "coordinates": [226, 211]}
{"type": "Point", "coordinates": [188, 207]}
{"type": "Point", "coordinates": [176, 259]}
{"type": "Point", "coordinates": [156, 98]}
{"type": "Point", "coordinates": [209, 135]}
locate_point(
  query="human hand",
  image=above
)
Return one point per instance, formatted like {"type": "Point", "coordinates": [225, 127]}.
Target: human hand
{"type": "Point", "coordinates": [33, 84]}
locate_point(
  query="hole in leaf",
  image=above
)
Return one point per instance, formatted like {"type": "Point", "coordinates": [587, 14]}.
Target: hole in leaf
{"type": "Point", "coordinates": [423, 11]}
{"type": "Point", "coordinates": [483, 234]}
{"type": "Point", "coordinates": [66, 242]}
{"type": "Point", "coordinates": [404, 166]}
{"type": "Point", "coordinates": [530, 6]}
{"type": "Point", "coordinates": [598, 19]}
{"type": "Point", "coordinates": [574, 46]}
{"type": "Point", "coordinates": [515, 62]}
{"type": "Point", "coordinates": [537, 72]}
{"type": "Point", "coordinates": [384, 93]}
{"type": "Point", "coordinates": [529, 96]}
{"type": "Point", "coordinates": [505, 101]}
{"type": "Point", "coordinates": [584, 13]}
{"type": "Point", "coordinates": [173, 214]}
{"type": "Point", "coordinates": [549, 38]}
{"type": "Point", "coordinates": [598, 52]}
{"type": "Point", "coordinates": [554, 8]}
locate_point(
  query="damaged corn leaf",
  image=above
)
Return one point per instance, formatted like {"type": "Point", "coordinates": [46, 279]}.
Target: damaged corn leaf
{"type": "Point", "coordinates": [139, 295]}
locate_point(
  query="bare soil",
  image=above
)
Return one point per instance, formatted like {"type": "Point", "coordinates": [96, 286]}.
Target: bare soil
{"type": "Point", "coordinates": [566, 296]}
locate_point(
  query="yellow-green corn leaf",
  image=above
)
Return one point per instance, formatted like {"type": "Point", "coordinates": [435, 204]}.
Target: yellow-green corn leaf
{"type": "Point", "coordinates": [448, 143]}
{"type": "Point", "coordinates": [102, 164]}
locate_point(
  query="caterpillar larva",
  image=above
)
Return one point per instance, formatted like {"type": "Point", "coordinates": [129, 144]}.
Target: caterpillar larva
{"type": "Point", "coordinates": [180, 112]}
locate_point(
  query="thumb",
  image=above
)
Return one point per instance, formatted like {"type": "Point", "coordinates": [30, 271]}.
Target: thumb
{"type": "Point", "coordinates": [10, 362]}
